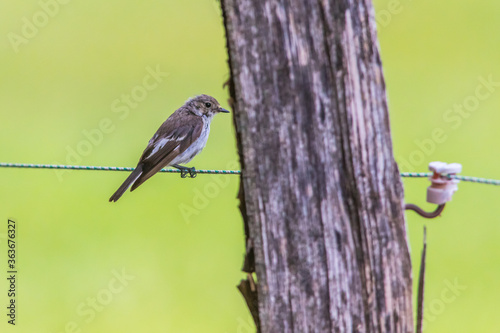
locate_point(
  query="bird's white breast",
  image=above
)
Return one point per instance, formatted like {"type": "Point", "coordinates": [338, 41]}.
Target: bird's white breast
{"type": "Point", "coordinates": [196, 147]}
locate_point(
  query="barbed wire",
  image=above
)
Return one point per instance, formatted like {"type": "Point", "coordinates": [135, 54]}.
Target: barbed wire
{"type": "Point", "coordinates": [221, 172]}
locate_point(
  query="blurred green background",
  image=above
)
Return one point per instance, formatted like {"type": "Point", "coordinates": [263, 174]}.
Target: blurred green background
{"type": "Point", "coordinates": [167, 257]}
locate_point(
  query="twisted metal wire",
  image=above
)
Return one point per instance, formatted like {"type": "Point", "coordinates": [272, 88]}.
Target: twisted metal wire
{"type": "Point", "coordinates": [105, 168]}
{"type": "Point", "coordinates": [220, 172]}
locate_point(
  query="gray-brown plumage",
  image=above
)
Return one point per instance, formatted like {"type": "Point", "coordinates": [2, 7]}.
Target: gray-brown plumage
{"type": "Point", "coordinates": [180, 138]}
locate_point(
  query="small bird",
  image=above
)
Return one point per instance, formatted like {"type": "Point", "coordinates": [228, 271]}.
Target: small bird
{"type": "Point", "coordinates": [180, 138]}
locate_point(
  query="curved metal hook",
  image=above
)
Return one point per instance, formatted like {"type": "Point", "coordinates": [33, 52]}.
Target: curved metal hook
{"type": "Point", "coordinates": [423, 213]}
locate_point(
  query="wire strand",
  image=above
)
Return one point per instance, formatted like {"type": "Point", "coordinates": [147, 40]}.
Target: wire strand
{"type": "Point", "coordinates": [105, 168]}
{"type": "Point", "coordinates": [220, 172]}
{"type": "Point", "coordinates": [458, 177]}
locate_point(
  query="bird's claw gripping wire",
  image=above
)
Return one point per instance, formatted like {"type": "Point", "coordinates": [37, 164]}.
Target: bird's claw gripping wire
{"type": "Point", "coordinates": [192, 172]}
{"type": "Point", "coordinates": [186, 171]}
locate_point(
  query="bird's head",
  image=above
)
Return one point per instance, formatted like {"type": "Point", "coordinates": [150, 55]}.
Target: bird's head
{"type": "Point", "coordinates": [204, 105]}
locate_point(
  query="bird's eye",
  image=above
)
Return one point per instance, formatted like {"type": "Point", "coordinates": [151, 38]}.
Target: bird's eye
{"type": "Point", "coordinates": [208, 104]}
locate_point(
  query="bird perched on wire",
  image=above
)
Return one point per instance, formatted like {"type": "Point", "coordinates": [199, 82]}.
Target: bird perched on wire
{"type": "Point", "coordinates": [180, 138]}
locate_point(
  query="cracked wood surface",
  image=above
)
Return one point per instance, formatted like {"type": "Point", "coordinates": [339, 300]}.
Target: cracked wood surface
{"type": "Point", "coordinates": [323, 196]}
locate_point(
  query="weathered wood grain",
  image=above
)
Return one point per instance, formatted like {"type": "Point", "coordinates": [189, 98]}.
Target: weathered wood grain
{"type": "Point", "coordinates": [323, 197]}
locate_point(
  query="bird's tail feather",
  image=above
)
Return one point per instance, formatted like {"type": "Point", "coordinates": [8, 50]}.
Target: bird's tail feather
{"type": "Point", "coordinates": [126, 184]}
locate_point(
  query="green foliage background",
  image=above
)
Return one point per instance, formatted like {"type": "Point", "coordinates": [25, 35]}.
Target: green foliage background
{"type": "Point", "coordinates": [182, 240]}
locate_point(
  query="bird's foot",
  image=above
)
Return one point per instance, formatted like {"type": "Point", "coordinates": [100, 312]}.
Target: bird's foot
{"type": "Point", "coordinates": [186, 171]}
{"type": "Point", "coordinates": [192, 172]}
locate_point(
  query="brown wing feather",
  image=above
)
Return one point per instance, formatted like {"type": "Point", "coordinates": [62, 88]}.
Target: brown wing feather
{"type": "Point", "coordinates": [181, 136]}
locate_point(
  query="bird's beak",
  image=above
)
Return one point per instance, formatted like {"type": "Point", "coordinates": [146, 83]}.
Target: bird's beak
{"type": "Point", "coordinates": [223, 110]}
